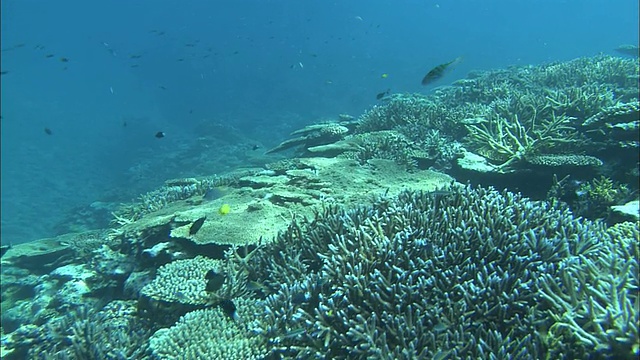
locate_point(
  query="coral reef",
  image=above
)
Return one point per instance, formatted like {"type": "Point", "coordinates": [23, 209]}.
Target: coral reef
{"type": "Point", "coordinates": [211, 334]}
{"type": "Point", "coordinates": [594, 296]}
{"type": "Point", "coordinates": [511, 116]}
{"type": "Point", "coordinates": [455, 273]}
{"type": "Point", "coordinates": [313, 136]}
{"type": "Point", "coordinates": [357, 251]}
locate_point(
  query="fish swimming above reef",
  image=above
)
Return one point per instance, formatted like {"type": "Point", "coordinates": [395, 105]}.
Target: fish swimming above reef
{"type": "Point", "coordinates": [214, 281]}
{"type": "Point", "coordinates": [381, 95]}
{"type": "Point", "coordinates": [631, 50]}
{"type": "Point", "coordinates": [439, 71]}
{"type": "Point", "coordinates": [160, 134]}
{"type": "Point", "coordinates": [196, 225]}
{"type": "Point", "coordinates": [229, 308]}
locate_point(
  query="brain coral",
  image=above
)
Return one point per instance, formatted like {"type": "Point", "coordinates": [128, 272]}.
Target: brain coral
{"type": "Point", "coordinates": [460, 274]}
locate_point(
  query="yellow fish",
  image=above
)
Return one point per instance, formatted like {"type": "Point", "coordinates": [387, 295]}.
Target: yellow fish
{"type": "Point", "coordinates": [384, 76]}
{"type": "Point", "coordinates": [224, 209]}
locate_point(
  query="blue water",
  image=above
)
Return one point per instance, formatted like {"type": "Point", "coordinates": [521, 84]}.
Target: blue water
{"type": "Point", "coordinates": [262, 67]}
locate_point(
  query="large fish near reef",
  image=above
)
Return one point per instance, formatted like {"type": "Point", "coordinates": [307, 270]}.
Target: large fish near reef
{"type": "Point", "coordinates": [438, 72]}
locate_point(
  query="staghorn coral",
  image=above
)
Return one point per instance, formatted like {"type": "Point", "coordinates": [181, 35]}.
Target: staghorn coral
{"type": "Point", "coordinates": [453, 275]}
{"type": "Point", "coordinates": [512, 140]}
{"type": "Point", "coordinates": [594, 299]}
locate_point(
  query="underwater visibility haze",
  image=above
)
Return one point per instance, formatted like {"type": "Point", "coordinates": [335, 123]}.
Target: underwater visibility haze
{"type": "Point", "coordinates": [312, 179]}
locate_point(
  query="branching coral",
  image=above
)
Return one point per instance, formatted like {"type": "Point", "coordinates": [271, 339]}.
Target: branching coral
{"type": "Point", "coordinates": [594, 299]}
{"type": "Point", "coordinates": [513, 141]}
{"type": "Point", "coordinates": [453, 274]}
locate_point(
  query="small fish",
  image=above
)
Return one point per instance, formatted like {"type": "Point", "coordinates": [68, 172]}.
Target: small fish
{"type": "Point", "coordinates": [196, 225]}
{"type": "Point", "coordinates": [379, 96]}
{"type": "Point", "coordinates": [224, 209]}
{"type": "Point", "coordinates": [229, 308]}
{"type": "Point", "coordinates": [4, 72]}
{"type": "Point", "coordinates": [48, 56]}
{"type": "Point", "coordinates": [255, 147]}
{"type": "Point", "coordinates": [64, 59]}
{"type": "Point", "coordinates": [631, 50]}
{"type": "Point", "coordinates": [384, 76]}
{"type": "Point", "coordinates": [438, 72]}
{"type": "Point", "coordinates": [214, 281]}
{"type": "Point", "coordinates": [134, 56]}
{"type": "Point", "coordinates": [160, 134]}
{"type": "Point", "coordinates": [212, 194]}
{"type": "Point", "coordinates": [48, 131]}
{"type": "Point", "coordinates": [4, 249]}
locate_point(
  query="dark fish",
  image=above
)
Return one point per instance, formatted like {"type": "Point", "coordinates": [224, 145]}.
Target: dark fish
{"type": "Point", "coordinates": [382, 94]}
{"type": "Point", "coordinates": [4, 249]}
{"type": "Point", "coordinates": [212, 194]}
{"type": "Point", "coordinates": [160, 134]}
{"type": "Point", "coordinates": [196, 225]}
{"type": "Point", "coordinates": [229, 308]}
{"type": "Point", "coordinates": [4, 73]}
{"type": "Point", "coordinates": [13, 47]}
{"type": "Point", "coordinates": [48, 131]}
{"type": "Point", "coordinates": [64, 59]}
{"type": "Point", "coordinates": [214, 281]}
{"type": "Point", "coordinates": [134, 56]}
{"type": "Point", "coordinates": [48, 56]}
{"type": "Point", "coordinates": [631, 50]}
{"type": "Point", "coordinates": [255, 147]}
{"type": "Point", "coordinates": [162, 87]}
{"type": "Point", "coordinates": [438, 72]}
{"type": "Point", "coordinates": [300, 297]}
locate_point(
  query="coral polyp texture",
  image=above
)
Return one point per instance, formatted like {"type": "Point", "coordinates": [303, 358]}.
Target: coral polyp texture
{"type": "Point", "coordinates": [211, 334]}
{"type": "Point", "coordinates": [469, 273]}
